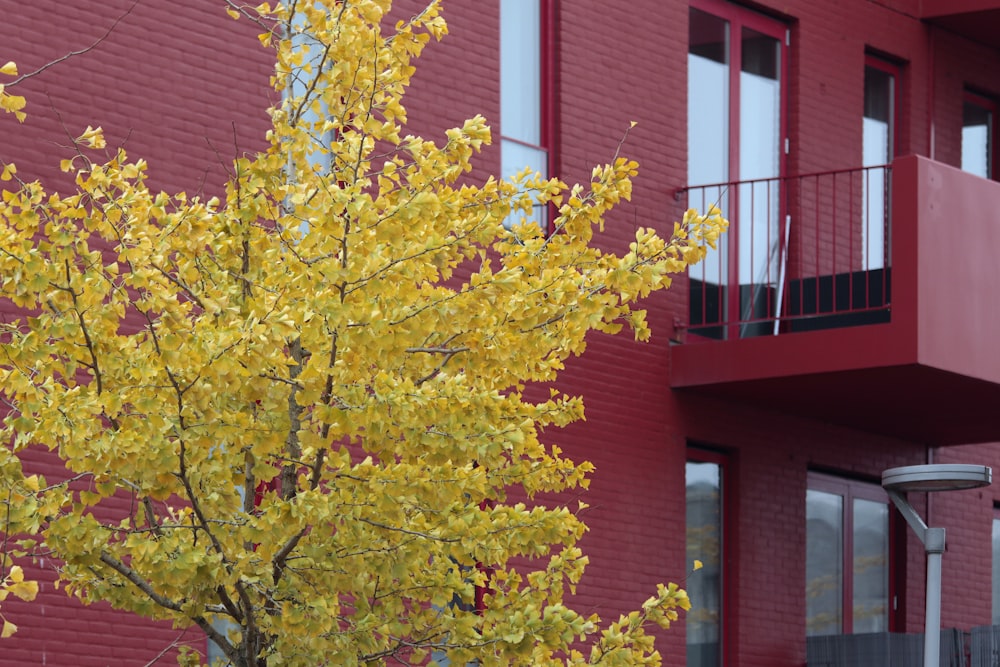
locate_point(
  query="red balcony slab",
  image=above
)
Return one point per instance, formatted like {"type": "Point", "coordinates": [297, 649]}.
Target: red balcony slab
{"type": "Point", "coordinates": [931, 374]}
{"type": "Point", "coordinates": [976, 19]}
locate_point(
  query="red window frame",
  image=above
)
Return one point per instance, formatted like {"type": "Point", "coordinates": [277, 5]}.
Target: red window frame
{"type": "Point", "coordinates": [849, 489]}
{"type": "Point", "coordinates": [728, 619]}
{"type": "Point", "coordinates": [989, 104]}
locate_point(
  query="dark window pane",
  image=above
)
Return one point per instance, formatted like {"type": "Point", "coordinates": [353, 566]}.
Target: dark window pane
{"type": "Point", "coordinates": [761, 54]}
{"type": "Point", "coordinates": [824, 563]}
{"type": "Point", "coordinates": [878, 94]}
{"type": "Point", "coordinates": [871, 566]}
{"type": "Point", "coordinates": [704, 543]}
{"type": "Point", "coordinates": [708, 37]}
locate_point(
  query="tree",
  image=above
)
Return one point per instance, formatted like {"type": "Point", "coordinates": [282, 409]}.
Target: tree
{"type": "Point", "coordinates": [319, 395]}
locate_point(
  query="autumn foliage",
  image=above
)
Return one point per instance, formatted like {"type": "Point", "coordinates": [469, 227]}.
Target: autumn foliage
{"type": "Point", "coordinates": [313, 390]}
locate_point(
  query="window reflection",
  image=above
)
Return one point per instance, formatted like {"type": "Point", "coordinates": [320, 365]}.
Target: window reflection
{"type": "Point", "coordinates": [824, 563]}
{"type": "Point", "coordinates": [847, 557]}
{"type": "Point", "coordinates": [704, 543]}
{"type": "Point", "coordinates": [871, 566]}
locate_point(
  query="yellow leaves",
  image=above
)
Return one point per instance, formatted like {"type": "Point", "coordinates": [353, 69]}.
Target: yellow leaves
{"type": "Point", "coordinates": [233, 13]}
{"type": "Point", "coordinates": [8, 172]}
{"type": "Point", "coordinates": [92, 137]}
{"type": "Point", "coordinates": [11, 103]}
{"type": "Point", "coordinates": [14, 584]}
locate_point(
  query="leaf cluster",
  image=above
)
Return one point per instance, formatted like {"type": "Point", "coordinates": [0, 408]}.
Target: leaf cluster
{"type": "Point", "coordinates": [297, 416]}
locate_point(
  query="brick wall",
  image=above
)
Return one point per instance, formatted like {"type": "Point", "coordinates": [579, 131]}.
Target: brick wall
{"type": "Point", "coordinates": [183, 86]}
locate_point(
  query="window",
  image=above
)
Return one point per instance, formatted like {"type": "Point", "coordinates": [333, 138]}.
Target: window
{"type": "Point", "coordinates": [737, 62]}
{"type": "Point", "coordinates": [301, 85]}
{"type": "Point", "coordinates": [847, 557]}
{"type": "Point", "coordinates": [977, 134]}
{"type": "Point", "coordinates": [996, 566]}
{"type": "Point", "coordinates": [878, 134]}
{"type": "Point", "coordinates": [525, 90]}
{"type": "Point", "coordinates": [705, 532]}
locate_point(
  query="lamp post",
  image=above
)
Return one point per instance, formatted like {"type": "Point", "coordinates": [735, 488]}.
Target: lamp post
{"type": "Point", "coordinates": [927, 478]}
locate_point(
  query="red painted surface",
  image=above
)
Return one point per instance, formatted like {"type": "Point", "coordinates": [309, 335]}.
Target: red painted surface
{"type": "Point", "coordinates": [177, 77]}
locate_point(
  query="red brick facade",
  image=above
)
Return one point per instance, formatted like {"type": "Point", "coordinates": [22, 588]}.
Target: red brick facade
{"type": "Point", "coordinates": [187, 87]}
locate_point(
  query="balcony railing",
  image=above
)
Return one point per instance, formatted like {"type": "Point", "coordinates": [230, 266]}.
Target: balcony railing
{"type": "Point", "coordinates": [803, 252]}
{"type": "Point", "coordinates": [979, 647]}
{"type": "Point", "coordinates": [885, 649]}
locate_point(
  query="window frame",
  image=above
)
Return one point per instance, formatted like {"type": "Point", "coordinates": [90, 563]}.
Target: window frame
{"type": "Point", "coordinates": [548, 127]}
{"type": "Point", "coordinates": [739, 17]}
{"type": "Point", "coordinates": [728, 557]}
{"type": "Point", "coordinates": [989, 104]}
{"type": "Point", "coordinates": [995, 566]}
{"type": "Point", "coordinates": [850, 488]}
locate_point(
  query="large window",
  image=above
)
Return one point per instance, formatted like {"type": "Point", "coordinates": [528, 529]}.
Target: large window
{"type": "Point", "coordinates": [847, 557]}
{"type": "Point", "coordinates": [737, 62]}
{"type": "Point", "coordinates": [978, 113]}
{"type": "Point", "coordinates": [878, 133]}
{"type": "Point", "coordinates": [525, 90]}
{"type": "Point", "coordinates": [704, 476]}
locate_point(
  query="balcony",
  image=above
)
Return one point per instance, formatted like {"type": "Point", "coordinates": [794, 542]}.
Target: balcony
{"type": "Point", "coordinates": [862, 297]}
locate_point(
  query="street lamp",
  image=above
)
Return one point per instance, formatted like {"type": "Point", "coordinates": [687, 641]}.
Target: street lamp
{"type": "Point", "coordinates": [926, 478]}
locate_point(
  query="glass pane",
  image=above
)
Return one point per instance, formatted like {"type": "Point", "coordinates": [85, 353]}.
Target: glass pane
{"type": "Point", "coordinates": [514, 157]}
{"type": "Point", "coordinates": [708, 157]}
{"type": "Point", "coordinates": [871, 566]}
{"type": "Point", "coordinates": [704, 543]}
{"type": "Point", "coordinates": [996, 572]}
{"type": "Point", "coordinates": [520, 70]}
{"type": "Point", "coordinates": [876, 135]}
{"type": "Point", "coordinates": [977, 125]}
{"type": "Point", "coordinates": [824, 563]}
{"type": "Point", "coordinates": [708, 127]}
{"type": "Point", "coordinates": [760, 158]}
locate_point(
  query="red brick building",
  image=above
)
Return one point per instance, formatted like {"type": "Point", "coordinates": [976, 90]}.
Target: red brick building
{"type": "Point", "coordinates": [847, 327]}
